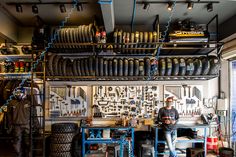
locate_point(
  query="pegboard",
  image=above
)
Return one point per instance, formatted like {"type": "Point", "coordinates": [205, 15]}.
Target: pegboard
{"type": "Point", "coordinates": [67, 101]}
{"type": "Point", "coordinates": [128, 101]}
{"type": "Point", "coordinates": [188, 99]}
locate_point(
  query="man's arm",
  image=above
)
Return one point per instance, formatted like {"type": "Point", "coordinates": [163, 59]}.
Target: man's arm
{"type": "Point", "coordinates": [176, 116]}
{"type": "Point", "coordinates": [159, 117]}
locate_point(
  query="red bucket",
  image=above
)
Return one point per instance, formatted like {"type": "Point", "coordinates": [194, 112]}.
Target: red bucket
{"type": "Point", "coordinates": [212, 143]}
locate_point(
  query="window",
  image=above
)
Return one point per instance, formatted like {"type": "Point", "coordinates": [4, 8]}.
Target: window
{"type": "Point", "coordinates": [233, 98]}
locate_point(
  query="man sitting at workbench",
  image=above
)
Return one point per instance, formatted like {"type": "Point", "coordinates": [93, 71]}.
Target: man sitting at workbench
{"type": "Point", "coordinates": [168, 117]}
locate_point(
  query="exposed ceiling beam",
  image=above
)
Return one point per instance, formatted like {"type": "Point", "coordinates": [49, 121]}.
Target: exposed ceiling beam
{"type": "Point", "coordinates": [107, 8]}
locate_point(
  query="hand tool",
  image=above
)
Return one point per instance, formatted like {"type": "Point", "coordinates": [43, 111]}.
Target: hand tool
{"type": "Point", "coordinates": [69, 87]}
{"type": "Point", "coordinates": [184, 86]}
{"type": "Point", "coordinates": [189, 91]}
{"type": "Point", "coordinates": [73, 90]}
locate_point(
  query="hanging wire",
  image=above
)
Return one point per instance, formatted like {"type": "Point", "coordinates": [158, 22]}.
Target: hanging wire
{"type": "Point", "coordinates": [42, 55]}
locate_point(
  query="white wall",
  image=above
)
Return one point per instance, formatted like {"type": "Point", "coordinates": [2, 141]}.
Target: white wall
{"type": "Point", "coordinates": [7, 27]}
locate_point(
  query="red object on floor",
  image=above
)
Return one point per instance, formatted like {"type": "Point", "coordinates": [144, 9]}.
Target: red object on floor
{"type": "Point", "coordinates": [212, 143]}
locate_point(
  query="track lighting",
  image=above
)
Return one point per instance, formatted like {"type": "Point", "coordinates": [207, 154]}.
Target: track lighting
{"type": "Point", "coordinates": [19, 8]}
{"type": "Point", "coordinates": [79, 7]}
{"type": "Point", "coordinates": [35, 9]}
{"type": "Point", "coordinates": [209, 7]}
{"type": "Point", "coordinates": [145, 6]}
{"type": "Point", "coordinates": [170, 6]}
{"type": "Point", "coordinates": [62, 8]}
{"type": "Point", "coordinates": [190, 5]}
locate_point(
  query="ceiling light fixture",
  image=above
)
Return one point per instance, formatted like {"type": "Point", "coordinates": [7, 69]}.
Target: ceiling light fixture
{"type": "Point", "coordinates": [170, 6]}
{"type": "Point", "coordinates": [35, 9]}
{"type": "Point", "coordinates": [19, 8]}
{"type": "Point", "coordinates": [190, 5]}
{"type": "Point", "coordinates": [209, 7]}
{"type": "Point", "coordinates": [62, 8]}
{"type": "Point", "coordinates": [145, 6]}
{"type": "Point", "coordinates": [79, 7]}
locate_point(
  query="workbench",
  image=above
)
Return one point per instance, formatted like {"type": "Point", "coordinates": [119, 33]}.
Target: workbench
{"type": "Point", "coordinates": [194, 127]}
{"type": "Point", "coordinates": [99, 139]}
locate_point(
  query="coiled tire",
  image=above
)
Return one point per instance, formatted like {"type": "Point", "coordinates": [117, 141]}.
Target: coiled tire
{"type": "Point", "coordinates": [120, 67]}
{"type": "Point", "coordinates": [110, 67]}
{"type": "Point", "coordinates": [175, 70]}
{"type": "Point", "coordinates": [168, 66]}
{"type": "Point", "coordinates": [60, 138]}
{"type": "Point", "coordinates": [147, 66]}
{"type": "Point", "coordinates": [205, 66]}
{"type": "Point", "coordinates": [141, 67]}
{"type": "Point", "coordinates": [65, 147]}
{"type": "Point", "coordinates": [64, 128]}
{"type": "Point", "coordinates": [136, 67]}
{"type": "Point", "coordinates": [105, 66]}
{"type": "Point", "coordinates": [214, 65]}
{"type": "Point", "coordinates": [182, 67]}
{"type": "Point", "coordinates": [115, 67]}
{"type": "Point", "coordinates": [126, 66]}
{"type": "Point", "coordinates": [190, 67]}
{"type": "Point", "coordinates": [162, 67]}
{"type": "Point", "coordinates": [131, 67]}
{"type": "Point", "coordinates": [197, 66]}
{"type": "Point", "coordinates": [61, 154]}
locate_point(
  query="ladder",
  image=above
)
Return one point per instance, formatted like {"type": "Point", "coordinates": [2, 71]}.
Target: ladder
{"type": "Point", "coordinates": [37, 114]}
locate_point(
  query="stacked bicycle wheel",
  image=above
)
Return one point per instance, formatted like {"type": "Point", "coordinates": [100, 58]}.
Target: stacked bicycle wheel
{"type": "Point", "coordinates": [61, 141]}
{"type": "Point", "coordinates": [118, 67]}
{"type": "Point", "coordinates": [68, 37]}
{"type": "Point", "coordinates": [134, 41]}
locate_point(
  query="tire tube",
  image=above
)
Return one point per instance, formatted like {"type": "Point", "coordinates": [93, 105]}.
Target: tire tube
{"type": "Point", "coordinates": [86, 66]}
{"type": "Point", "coordinates": [60, 63]}
{"type": "Point", "coordinates": [115, 67]}
{"type": "Point", "coordinates": [105, 67]}
{"type": "Point", "coordinates": [162, 67]}
{"type": "Point", "coordinates": [154, 66]}
{"type": "Point", "coordinates": [91, 66]}
{"type": "Point", "coordinates": [168, 66]}
{"type": "Point", "coordinates": [120, 67]}
{"type": "Point", "coordinates": [182, 67]}
{"type": "Point", "coordinates": [101, 67]}
{"type": "Point", "coordinates": [190, 67]}
{"type": "Point", "coordinates": [55, 62]}
{"type": "Point", "coordinates": [197, 67]}
{"type": "Point", "coordinates": [175, 70]}
{"type": "Point", "coordinates": [147, 66]}
{"type": "Point", "coordinates": [214, 64]}
{"type": "Point", "coordinates": [126, 66]}
{"type": "Point", "coordinates": [131, 67]}
{"type": "Point", "coordinates": [64, 66]}
{"type": "Point", "coordinates": [51, 64]}
{"type": "Point", "coordinates": [205, 66]}
{"type": "Point", "coordinates": [141, 67]}
{"type": "Point", "coordinates": [110, 67]}
{"type": "Point", "coordinates": [82, 62]}
{"type": "Point", "coordinates": [97, 66]}
{"type": "Point", "coordinates": [75, 71]}
{"type": "Point", "coordinates": [136, 67]}
{"type": "Point", "coordinates": [79, 68]}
